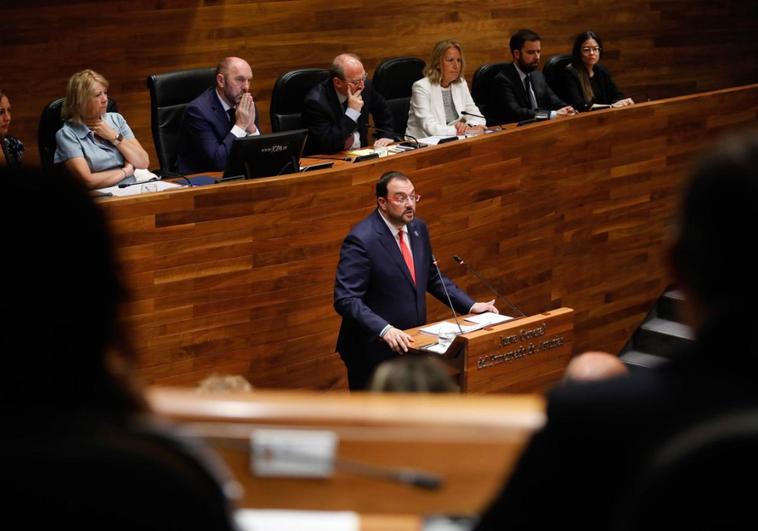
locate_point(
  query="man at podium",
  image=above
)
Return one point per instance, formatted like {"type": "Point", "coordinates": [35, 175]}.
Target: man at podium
{"type": "Point", "coordinates": [385, 269]}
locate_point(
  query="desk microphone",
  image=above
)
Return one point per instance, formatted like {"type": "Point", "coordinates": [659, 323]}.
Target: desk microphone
{"type": "Point", "coordinates": [442, 279]}
{"type": "Point", "coordinates": [396, 136]}
{"type": "Point", "coordinates": [408, 476]}
{"type": "Point", "coordinates": [465, 113]}
{"type": "Point", "coordinates": [124, 185]}
{"type": "Point", "coordinates": [326, 158]}
{"type": "Point", "coordinates": [497, 294]}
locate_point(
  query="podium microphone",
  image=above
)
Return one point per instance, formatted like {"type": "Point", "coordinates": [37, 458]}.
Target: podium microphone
{"type": "Point", "coordinates": [497, 294]}
{"type": "Point", "coordinates": [455, 316]}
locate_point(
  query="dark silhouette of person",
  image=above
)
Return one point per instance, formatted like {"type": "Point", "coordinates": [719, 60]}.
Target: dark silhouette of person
{"type": "Point", "coordinates": [82, 450]}
{"type": "Point", "coordinates": [580, 470]}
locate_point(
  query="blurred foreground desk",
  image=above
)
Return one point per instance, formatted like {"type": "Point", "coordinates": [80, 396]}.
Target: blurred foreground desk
{"type": "Point", "coordinates": [470, 442]}
{"type": "Point", "coordinates": [573, 212]}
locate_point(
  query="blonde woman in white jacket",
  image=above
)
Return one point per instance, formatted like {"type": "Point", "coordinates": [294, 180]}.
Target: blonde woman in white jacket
{"type": "Point", "coordinates": [440, 97]}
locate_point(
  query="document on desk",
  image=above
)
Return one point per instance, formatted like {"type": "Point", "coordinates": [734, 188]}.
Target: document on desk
{"type": "Point", "coordinates": [278, 520]}
{"type": "Point", "coordinates": [488, 318]}
{"type": "Point", "coordinates": [138, 188]}
{"type": "Point", "coordinates": [444, 326]}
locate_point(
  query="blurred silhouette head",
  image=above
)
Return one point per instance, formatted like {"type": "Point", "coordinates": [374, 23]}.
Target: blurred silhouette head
{"type": "Point", "coordinates": [224, 383]}
{"type": "Point", "coordinates": [712, 253]}
{"type": "Point", "coordinates": [61, 335]}
{"type": "Point", "coordinates": [412, 374]}
{"type": "Point", "coordinates": [594, 365]}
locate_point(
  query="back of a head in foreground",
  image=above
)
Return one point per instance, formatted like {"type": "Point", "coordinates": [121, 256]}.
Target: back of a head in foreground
{"type": "Point", "coordinates": [412, 374]}
{"type": "Point", "coordinates": [61, 336]}
{"type": "Point", "coordinates": [77, 443]}
{"type": "Point", "coordinates": [713, 253]}
{"type": "Point", "coordinates": [594, 365]}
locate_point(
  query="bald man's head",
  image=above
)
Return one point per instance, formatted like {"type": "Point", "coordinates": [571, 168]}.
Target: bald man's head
{"type": "Point", "coordinates": [591, 366]}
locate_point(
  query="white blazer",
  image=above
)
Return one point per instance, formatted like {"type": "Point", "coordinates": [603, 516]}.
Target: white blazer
{"type": "Point", "coordinates": [426, 116]}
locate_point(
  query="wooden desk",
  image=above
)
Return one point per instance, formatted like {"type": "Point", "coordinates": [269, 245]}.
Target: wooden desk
{"type": "Point", "coordinates": [238, 278]}
{"type": "Point", "coordinates": [471, 442]}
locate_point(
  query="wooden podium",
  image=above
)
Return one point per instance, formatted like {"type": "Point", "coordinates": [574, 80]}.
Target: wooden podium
{"type": "Point", "coordinates": [526, 354]}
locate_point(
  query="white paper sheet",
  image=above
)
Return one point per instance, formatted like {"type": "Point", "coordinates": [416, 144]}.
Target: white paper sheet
{"type": "Point", "coordinates": [488, 318]}
{"type": "Point", "coordinates": [271, 520]}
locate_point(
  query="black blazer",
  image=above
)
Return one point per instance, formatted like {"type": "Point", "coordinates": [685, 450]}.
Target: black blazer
{"type": "Point", "coordinates": [602, 85]}
{"type": "Point", "coordinates": [328, 124]}
{"type": "Point", "coordinates": [509, 101]}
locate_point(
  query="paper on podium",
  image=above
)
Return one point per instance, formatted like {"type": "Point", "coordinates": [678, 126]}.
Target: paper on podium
{"type": "Point", "coordinates": [444, 326]}
{"type": "Point", "coordinates": [436, 348]}
{"type": "Point", "coordinates": [488, 318]}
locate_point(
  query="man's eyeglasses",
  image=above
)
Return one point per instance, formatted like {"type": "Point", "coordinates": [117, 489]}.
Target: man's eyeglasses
{"type": "Point", "coordinates": [588, 50]}
{"type": "Point", "coordinates": [358, 81]}
{"type": "Point", "coordinates": [401, 199]}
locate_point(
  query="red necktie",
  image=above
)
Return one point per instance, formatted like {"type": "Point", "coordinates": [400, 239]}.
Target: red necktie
{"type": "Point", "coordinates": [407, 256]}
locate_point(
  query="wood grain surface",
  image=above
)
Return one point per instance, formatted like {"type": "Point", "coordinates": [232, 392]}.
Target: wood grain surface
{"type": "Point", "coordinates": [654, 48]}
{"type": "Point", "coordinates": [470, 442]}
{"type": "Point", "coordinates": [238, 277]}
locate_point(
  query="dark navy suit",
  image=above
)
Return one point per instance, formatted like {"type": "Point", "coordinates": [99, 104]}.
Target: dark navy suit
{"type": "Point", "coordinates": [206, 135]}
{"type": "Point", "coordinates": [509, 101]}
{"type": "Point", "coordinates": [373, 288]}
{"type": "Point", "coordinates": [329, 126]}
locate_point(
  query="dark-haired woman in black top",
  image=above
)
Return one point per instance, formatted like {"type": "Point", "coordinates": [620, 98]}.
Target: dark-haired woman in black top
{"type": "Point", "coordinates": [587, 82]}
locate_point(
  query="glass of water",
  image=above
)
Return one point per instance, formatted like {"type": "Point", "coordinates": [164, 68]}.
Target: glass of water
{"type": "Point", "coordinates": [445, 337]}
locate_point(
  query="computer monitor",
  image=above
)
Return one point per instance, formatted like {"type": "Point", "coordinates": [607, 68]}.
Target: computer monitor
{"type": "Point", "coordinates": [266, 155]}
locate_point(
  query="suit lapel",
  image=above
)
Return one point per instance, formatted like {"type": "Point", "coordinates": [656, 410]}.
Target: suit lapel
{"type": "Point", "coordinates": [334, 103]}
{"type": "Point", "coordinates": [219, 114]}
{"type": "Point", "coordinates": [516, 80]}
{"type": "Point", "coordinates": [438, 108]}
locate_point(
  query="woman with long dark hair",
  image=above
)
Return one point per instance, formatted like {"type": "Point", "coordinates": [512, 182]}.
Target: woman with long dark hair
{"type": "Point", "coordinates": [586, 80]}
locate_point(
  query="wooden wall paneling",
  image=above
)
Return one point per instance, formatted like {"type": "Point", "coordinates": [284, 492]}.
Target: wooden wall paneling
{"type": "Point", "coordinates": [655, 48]}
{"type": "Point", "coordinates": [572, 213]}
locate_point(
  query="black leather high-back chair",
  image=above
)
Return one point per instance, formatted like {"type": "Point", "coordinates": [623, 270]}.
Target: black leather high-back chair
{"type": "Point", "coordinates": [169, 95]}
{"type": "Point", "coordinates": [288, 95]}
{"type": "Point", "coordinates": [700, 479]}
{"type": "Point", "coordinates": [394, 79]}
{"type": "Point", "coordinates": [482, 85]}
{"type": "Point", "coordinates": [49, 122]}
{"type": "Point", "coordinates": [553, 72]}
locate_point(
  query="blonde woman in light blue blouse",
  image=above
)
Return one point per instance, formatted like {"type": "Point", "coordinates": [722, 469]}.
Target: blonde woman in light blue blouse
{"type": "Point", "coordinates": [95, 145]}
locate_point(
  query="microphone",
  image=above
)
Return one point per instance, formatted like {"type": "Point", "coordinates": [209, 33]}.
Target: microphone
{"type": "Point", "coordinates": [455, 316]}
{"type": "Point", "coordinates": [396, 136]}
{"type": "Point", "coordinates": [124, 185]}
{"type": "Point", "coordinates": [460, 261]}
{"type": "Point", "coordinates": [408, 476]}
{"type": "Point", "coordinates": [326, 158]}
{"type": "Point", "coordinates": [465, 113]}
